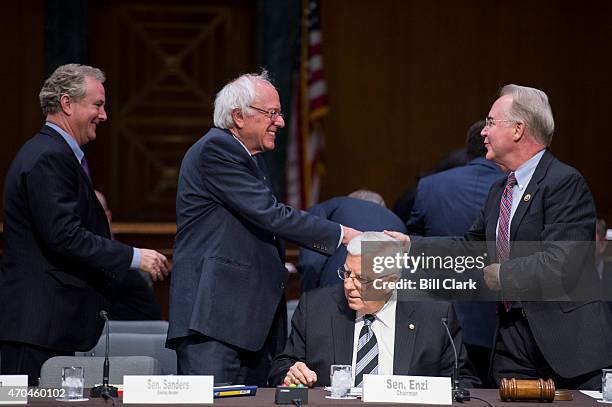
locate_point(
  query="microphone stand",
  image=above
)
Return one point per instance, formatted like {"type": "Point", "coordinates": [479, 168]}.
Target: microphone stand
{"type": "Point", "coordinates": [460, 395]}
{"type": "Point", "coordinates": [105, 390]}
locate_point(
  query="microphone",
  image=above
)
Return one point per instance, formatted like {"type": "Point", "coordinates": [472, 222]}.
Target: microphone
{"type": "Point", "coordinates": [105, 390]}
{"type": "Point", "coordinates": [459, 394]}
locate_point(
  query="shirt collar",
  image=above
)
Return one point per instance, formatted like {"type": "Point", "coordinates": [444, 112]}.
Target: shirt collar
{"type": "Point", "coordinates": [74, 146]}
{"type": "Point", "coordinates": [524, 173]}
{"type": "Point", "coordinates": [386, 314]}
{"type": "Point", "coordinates": [241, 143]}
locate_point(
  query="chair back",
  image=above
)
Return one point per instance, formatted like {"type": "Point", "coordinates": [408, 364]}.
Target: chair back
{"type": "Point", "coordinates": [138, 344]}
{"type": "Point", "coordinates": [51, 371]}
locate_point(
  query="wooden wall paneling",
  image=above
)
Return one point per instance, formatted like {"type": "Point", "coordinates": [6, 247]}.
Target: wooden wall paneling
{"type": "Point", "coordinates": [165, 62]}
{"type": "Point", "coordinates": [21, 77]}
{"type": "Point", "coordinates": [407, 78]}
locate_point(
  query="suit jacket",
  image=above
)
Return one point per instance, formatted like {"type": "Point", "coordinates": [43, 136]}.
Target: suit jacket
{"type": "Point", "coordinates": [228, 275]}
{"type": "Point", "coordinates": [447, 203]}
{"type": "Point", "coordinates": [133, 299]}
{"type": "Point", "coordinates": [323, 328]}
{"type": "Point", "coordinates": [59, 260]}
{"type": "Point", "coordinates": [319, 270]}
{"type": "Point", "coordinates": [574, 337]}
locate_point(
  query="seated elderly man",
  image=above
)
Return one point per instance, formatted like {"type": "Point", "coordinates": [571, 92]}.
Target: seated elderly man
{"type": "Point", "coordinates": [376, 333]}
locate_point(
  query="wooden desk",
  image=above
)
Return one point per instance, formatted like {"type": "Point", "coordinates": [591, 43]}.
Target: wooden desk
{"type": "Point", "coordinates": [316, 397]}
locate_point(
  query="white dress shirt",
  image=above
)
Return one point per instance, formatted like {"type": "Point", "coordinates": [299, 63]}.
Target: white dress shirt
{"type": "Point", "coordinates": [384, 329]}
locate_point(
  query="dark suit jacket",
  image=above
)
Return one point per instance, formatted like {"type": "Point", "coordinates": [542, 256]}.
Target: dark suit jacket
{"type": "Point", "coordinates": [447, 204]}
{"type": "Point", "coordinates": [59, 259]}
{"type": "Point", "coordinates": [133, 299]}
{"type": "Point", "coordinates": [318, 270]}
{"type": "Point", "coordinates": [323, 328]}
{"type": "Point", "coordinates": [229, 276]}
{"type": "Point", "coordinates": [573, 337]}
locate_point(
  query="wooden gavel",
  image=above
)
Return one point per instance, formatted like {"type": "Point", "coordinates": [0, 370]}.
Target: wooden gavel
{"type": "Point", "coordinates": [526, 389]}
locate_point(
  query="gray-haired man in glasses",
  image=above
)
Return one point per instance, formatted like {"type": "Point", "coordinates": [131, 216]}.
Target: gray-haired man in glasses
{"type": "Point", "coordinates": [371, 331]}
{"type": "Point", "coordinates": [227, 303]}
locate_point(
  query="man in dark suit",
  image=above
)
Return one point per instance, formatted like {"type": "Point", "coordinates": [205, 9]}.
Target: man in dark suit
{"type": "Point", "coordinates": [447, 203]}
{"type": "Point", "coordinates": [548, 205]}
{"type": "Point", "coordinates": [318, 270]}
{"type": "Point", "coordinates": [405, 338]}
{"type": "Point", "coordinates": [59, 261]}
{"type": "Point", "coordinates": [227, 306]}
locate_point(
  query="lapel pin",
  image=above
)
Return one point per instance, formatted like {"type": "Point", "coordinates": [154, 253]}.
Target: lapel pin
{"type": "Point", "coordinates": [411, 326]}
{"type": "Point", "coordinates": [527, 197]}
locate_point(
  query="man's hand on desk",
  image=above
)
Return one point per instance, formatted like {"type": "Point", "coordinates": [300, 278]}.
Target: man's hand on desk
{"type": "Point", "coordinates": [300, 373]}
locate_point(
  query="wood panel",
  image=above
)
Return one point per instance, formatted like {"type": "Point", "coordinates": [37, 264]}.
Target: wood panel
{"type": "Point", "coordinates": [21, 76]}
{"type": "Point", "coordinates": [165, 62]}
{"type": "Point", "coordinates": [428, 69]}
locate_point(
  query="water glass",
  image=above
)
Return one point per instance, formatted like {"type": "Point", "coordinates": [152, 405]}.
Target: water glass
{"type": "Point", "coordinates": [72, 382]}
{"type": "Point", "coordinates": [606, 385]}
{"type": "Point", "coordinates": [341, 380]}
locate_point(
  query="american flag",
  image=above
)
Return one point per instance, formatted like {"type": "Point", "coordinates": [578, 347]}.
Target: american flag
{"type": "Point", "coordinates": [306, 142]}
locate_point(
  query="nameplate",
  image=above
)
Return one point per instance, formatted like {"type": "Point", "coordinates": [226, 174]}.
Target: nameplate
{"type": "Point", "coordinates": [13, 389]}
{"type": "Point", "coordinates": [167, 389]}
{"type": "Point", "coordinates": [407, 389]}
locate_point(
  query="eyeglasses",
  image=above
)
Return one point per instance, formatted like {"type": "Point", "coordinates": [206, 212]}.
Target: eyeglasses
{"type": "Point", "coordinates": [490, 122]}
{"type": "Point", "coordinates": [272, 114]}
{"type": "Point", "coordinates": [343, 274]}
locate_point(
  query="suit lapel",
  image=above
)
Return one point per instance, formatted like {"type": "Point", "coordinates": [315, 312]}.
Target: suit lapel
{"type": "Point", "coordinates": [263, 170]}
{"type": "Point", "coordinates": [54, 134]}
{"type": "Point", "coordinates": [403, 348]}
{"type": "Point", "coordinates": [531, 190]}
{"type": "Point", "coordinates": [343, 330]}
{"type": "Point", "coordinates": [493, 211]}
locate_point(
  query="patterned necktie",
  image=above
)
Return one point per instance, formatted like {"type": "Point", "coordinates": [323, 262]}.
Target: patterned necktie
{"type": "Point", "coordinates": [367, 351]}
{"type": "Point", "coordinates": [85, 167]}
{"type": "Point", "coordinates": [505, 209]}
{"type": "Point", "coordinates": [503, 231]}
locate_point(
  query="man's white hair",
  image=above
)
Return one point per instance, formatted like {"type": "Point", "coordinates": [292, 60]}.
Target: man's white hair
{"type": "Point", "coordinates": [354, 246]}
{"type": "Point", "coordinates": [238, 94]}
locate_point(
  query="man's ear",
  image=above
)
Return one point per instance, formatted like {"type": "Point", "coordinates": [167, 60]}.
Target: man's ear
{"type": "Point", "coordinates": [519, 131]}
{"type": "Point", "coordinates": [66, 104]}
{"type": "Point", "coordinates": [238, 118]}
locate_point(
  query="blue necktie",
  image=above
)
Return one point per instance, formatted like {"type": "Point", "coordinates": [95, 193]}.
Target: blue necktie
{"type": "Point", "coordinates": [86, 168]}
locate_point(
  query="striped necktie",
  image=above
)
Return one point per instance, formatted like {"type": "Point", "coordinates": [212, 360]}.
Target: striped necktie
{"type": "Point", "coordinates": [503, 232]}
{"type": "Point", "coordinates": [367, 351]}
{"type": "Point", "coordinates": [505, 209]}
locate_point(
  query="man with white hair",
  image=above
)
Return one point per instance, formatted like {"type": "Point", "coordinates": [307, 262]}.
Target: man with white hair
{"type": "Point", "coordinates": [369, 329]}
{"type": "Point", "coordinates": [227, 303]}
{"type": "Point", "coordinates": [548, 205]}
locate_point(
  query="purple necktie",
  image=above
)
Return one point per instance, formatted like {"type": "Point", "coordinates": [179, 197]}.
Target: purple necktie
{"type": "Point", "coordinates": [503, 231]}
{"type": "Point", "coordinates": [85, 167]}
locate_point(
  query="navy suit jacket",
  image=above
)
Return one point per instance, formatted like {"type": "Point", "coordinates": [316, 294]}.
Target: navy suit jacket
{"type": "Point", "coordinates": [323, 329]}
{"type": "Point", "coordinates": [318, 270]}
{"type": "Point", "coordinates": [59, 260]}
{"type": "Point", "coordinates": [228, 276]}
{"type": "Point", "coordinates": [447, 204]}
{"type": "Point", "coordinates": [574, 337]}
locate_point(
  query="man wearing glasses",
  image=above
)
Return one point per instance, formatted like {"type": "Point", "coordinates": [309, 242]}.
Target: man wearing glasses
{"type": "Point", "coordinates": [227, 304]}
{"type": "Point", "coordinates": [368, 329]}
{"type": "Point", "coordinates": [535, 219]}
